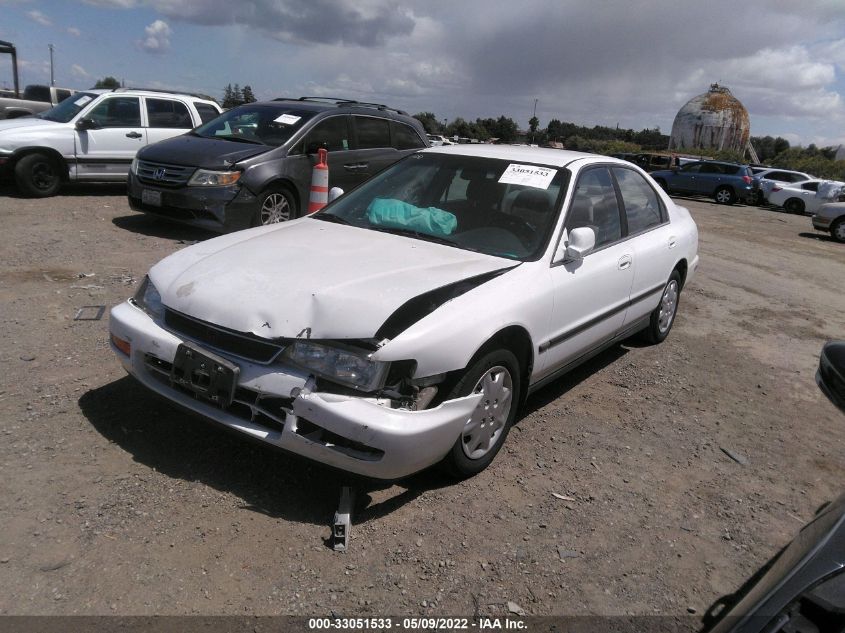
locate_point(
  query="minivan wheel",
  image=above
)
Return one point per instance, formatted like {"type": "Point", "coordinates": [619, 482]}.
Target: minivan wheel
{"type": "Point", "coordinates": [794, 205]}
{"type": "Point", "coordinates": [663, 316]}
{"type": "Point", "coordinates": [274, 206]}
{"type": "Point", "coordinates": [38, 176]}
{"type": "Point", "coordinates": [496, 375]}
{"type": "Point", "coordinates": [725, 195]}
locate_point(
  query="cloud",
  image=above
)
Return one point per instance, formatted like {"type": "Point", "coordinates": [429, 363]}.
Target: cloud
{"type": "Point", "coordinates": [78, 71]}
{"type": "Point", "coordinates": [72, 30]}
{"type": "Point", "coordinates": [157, 38]}
{"type": "Point", "coordinates": [40, 18]}
{"type": "Point", "coordinates": [112, 4]}
{"type": "Point", "coordinates": [367, 23]}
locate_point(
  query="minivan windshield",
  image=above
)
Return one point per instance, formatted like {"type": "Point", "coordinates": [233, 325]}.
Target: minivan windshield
{"type": "Point", "coordinates": [264, 123]}
{"type": "Point", "coordinates": [68, 108]}
{"type": "Point", "coordinates": [492, 206]}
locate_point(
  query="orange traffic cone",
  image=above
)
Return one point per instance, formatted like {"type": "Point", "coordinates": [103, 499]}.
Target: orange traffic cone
{"type": "Point", "coordinates": [319, 183]}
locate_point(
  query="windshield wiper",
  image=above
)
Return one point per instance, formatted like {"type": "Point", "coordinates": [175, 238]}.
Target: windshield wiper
{"type": "Point", "coordinates": [428, 237]}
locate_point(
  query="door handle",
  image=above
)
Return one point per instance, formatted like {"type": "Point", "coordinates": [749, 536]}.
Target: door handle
{"type": "Point", "coordinates": [352, 167]}
{"type": "Point", "coordinates": [672, 241]}
{"type": "Point", "coordinates": [624, 262]}
{"type": "Point", "coordinates": [134, 135]}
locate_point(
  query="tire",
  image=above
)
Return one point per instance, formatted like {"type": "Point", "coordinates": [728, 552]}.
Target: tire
{"type": "Point", "coordinates": [498, 374]}
{"type": "Point", "coordinates": [724, 195]}
{"type": "Point", "coordinates": [794, 205]}
{"type": "Point", "coordinates": [38, 176]}
{"type": "Point", "coordinates": [837, 230]}
{"type": "Point", "coordinates": [663, 316]}
{"type": "Point", "coordinates": [662, 184]}
{"type": "Point", "coordinates": [275, 205]}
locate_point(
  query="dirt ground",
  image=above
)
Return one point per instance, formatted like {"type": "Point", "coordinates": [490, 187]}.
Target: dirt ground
{"type": "Point", "coordinates": [111, 502]}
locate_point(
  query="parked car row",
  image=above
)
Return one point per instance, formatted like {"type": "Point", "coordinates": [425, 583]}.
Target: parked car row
{"type": "Point", "coordinates": [724, 182]}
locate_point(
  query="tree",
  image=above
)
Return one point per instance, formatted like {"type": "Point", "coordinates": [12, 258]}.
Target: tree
{"type": "Point", "coordinates": [233, 97]}
{"type": "Point", "coordinates": [533, 124]}
{"type": "Point", "coordinates": [429, 122]}
{"type": "Point", "coordinates": [107, 82]}
{"type": "Point", "coordinates": [247, 95]}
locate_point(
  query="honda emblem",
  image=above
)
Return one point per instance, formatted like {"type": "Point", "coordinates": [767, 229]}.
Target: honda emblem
{"type": "Point", "coordinates": [158, 174]}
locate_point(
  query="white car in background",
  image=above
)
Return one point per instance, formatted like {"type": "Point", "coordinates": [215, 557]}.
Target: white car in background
{"type": "Point", "coordinates": [805, 197]}
{"type": "Point", "coordinates": [765, 180]}
{"type": "Point", "coordinates": [93, 136]}
{"type": "Point", "coordinates": [415, 313]}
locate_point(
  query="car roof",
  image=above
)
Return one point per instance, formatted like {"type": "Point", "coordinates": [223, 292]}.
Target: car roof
{"type": "Point", "coordinates": [320, 104]}
{"type": "Point", "coordinates": [151, 92]}
{"type": "Point", "coordinates": [522, 153]}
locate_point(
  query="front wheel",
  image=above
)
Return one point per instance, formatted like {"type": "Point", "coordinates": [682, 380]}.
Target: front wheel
{"type": "Point", "coordinates": [663, 315]}
{"type": "Point", "coordinates": [837, 231]}
{"type": "Point", "coordinates": [38, 175]}
{"type": "Point", "coordinates": [274, 205]}
{"type": "Point", "coordinates": [794, 205]}
{"type": "Point", "coordinates": [496, 375]}
{"type": "Point", "coordinates": [725, 195]}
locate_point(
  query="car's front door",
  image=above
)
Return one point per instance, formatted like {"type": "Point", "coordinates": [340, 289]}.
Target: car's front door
{"type": "Point", "coordinates": [590, 295]}
{"type": "Point", "coordinates": [106, 151]}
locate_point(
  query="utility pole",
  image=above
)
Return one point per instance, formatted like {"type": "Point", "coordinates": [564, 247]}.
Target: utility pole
{"type": "Point", "coordinates": [52, 79]}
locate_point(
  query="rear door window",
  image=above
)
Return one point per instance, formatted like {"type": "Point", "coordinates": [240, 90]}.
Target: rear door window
{"type": "Point", "coordinates": [168, 113]}
{"type": "Point", "coordinates": [372, 132]}
{"type": "Point", "coordinates": [207, 112]}
{"type": "Point", "coordinates": [331, 133]}
{"type": "Point", "coordinates": [642, 204]}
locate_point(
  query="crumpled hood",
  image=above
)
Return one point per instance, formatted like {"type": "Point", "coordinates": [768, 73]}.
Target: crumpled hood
{"type": "Point", "coordinates": [196, 151]}
{"type": "Point", "coordinates": [339, 281]}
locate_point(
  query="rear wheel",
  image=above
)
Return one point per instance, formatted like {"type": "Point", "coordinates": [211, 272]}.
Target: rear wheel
{"type": "Point", "coordinates": [794, 205]}
{"type": "Point", "coordinates": [725, 195]}
{"type": "Point", "coordinates": [496, 375]}
{"type": "Point", "coordinates": [837, 231]}
{"type": "Point", "coordinates": [663, 315]}
{"type": "Point", "coordinates": [274, 205]}
{"type": "Point", "coordinates": [38, 175]}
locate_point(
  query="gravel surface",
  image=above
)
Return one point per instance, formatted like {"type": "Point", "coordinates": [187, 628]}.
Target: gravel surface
{"type": "Point", "coordinates": [652, 480]}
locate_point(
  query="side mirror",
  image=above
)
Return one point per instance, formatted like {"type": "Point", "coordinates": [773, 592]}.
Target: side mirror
{"type": "Point", "coordinates": [578, 244]}
{"type": "Point", "coordinates": [335, 193]}
{"type": "Point", "coordinates": [831, 373]}
{"type": "Point", "coordinates": [87, 124]}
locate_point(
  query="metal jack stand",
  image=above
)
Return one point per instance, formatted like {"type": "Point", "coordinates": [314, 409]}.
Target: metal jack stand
{"type": "Point", "coordinates": [342, 524]}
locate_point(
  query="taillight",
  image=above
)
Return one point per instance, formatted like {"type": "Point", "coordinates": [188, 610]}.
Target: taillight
{"type": "Point", "coordinates": [776, 188]}
{"type": "Point", "coordinates": [746, 180]}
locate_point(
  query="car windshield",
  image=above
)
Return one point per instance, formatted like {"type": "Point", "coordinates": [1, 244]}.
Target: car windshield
{"type": "Point", "coordinates": [497, 207]}
{"type": "Point", "coordinates": [265, 124]}
{"type": "Point", "coordinates": [68, 108]}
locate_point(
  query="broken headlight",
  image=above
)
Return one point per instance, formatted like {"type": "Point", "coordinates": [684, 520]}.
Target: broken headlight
{"type": "Point", "coordinates": [346, 366]}
{"type": "Point", "coordinates": [149, 300]}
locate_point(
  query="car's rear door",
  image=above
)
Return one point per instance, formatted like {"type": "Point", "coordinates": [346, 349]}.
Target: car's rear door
{"type": "Point", "coordinates": [106, 151]}
{"type": "Point", "coordinates": [375, 148]}
{"type": "Point", "coordinates": [167, 117]}
{"type": "Point", "coordinates": [590, 295]}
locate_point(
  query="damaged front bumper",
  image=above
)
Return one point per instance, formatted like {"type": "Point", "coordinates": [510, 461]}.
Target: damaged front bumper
{"type": "Point", "coordinates": [273, 403]}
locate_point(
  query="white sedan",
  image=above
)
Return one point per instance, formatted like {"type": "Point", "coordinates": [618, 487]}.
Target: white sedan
{"type": "Point", "coordinates": [804, 197]}
{"type": "Point", "coordinates": [405, 323]}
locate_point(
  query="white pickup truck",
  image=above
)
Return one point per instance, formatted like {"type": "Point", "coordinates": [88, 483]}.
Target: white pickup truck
{"type": "Point", "coordinates": [94, 135]}
{"type": "Point", "coordinates": [35, 99]}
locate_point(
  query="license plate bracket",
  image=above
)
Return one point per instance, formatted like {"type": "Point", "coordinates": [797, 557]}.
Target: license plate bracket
{"type": "Point", "coordinates": [151, 197]}
{"type": "Point", "coordinates": [207, 375]}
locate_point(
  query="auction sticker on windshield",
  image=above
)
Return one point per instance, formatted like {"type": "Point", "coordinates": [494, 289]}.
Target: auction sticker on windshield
{"type": "Point", "coordinates": [528, 175]}
{"type": "Point", "coordinates": [287, 119]}
{"type": "Point", "coordinates": [82, 100]}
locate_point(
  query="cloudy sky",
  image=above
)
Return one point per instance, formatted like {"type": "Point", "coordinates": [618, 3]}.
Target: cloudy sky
{"type": "Point", "coordinates": [594, 62]}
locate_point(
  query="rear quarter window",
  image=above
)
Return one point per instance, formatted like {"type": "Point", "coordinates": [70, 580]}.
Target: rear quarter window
{"type": "Point", "coordinates": [372, 132]}
{"type": "Point", "coordinates": [406, 137]}
{"type": "Point", "coordinates": [207, 112]}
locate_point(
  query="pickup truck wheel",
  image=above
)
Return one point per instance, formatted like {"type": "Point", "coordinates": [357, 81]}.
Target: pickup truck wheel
{"type": "Point", "coordinates": [837, 231]}
{"type": "Point", "coordinates": [497, 376]}
{"type": "Point", "coordinates": [794, 205]}
{"type": "Point", "coordinates": [663, 315]}
{"type": "Point", "coordinates": [38, 176]}
{"type": "Point", "coordinates": [725, 195]}
{"type": "Point", "coordinates": [274, 205]}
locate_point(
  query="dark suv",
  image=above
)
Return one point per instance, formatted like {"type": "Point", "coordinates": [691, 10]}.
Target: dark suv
{"type": "Point", "coordinates": [724, 182]}
{"type": "Point", "coordinates": [252, 165]}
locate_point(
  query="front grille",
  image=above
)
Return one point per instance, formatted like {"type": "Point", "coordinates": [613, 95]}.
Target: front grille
{"type": "Point", "coordinates": [164, 175]}
{"type": "Point", "coordinates": [247, 346]}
